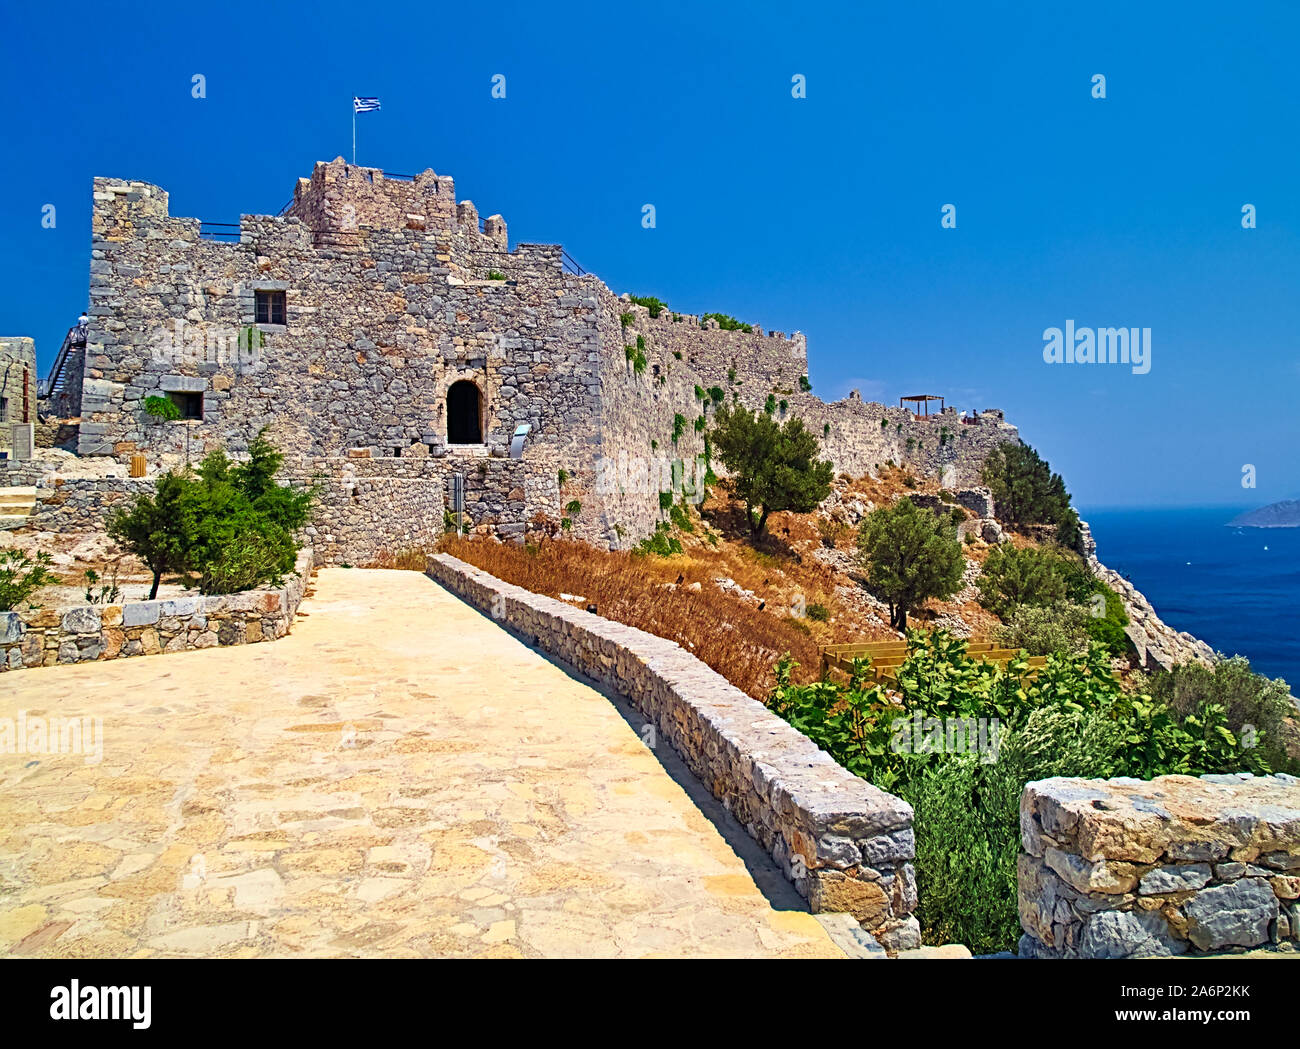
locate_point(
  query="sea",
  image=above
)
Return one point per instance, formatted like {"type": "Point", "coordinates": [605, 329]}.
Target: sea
{"type": "Point", "coordinates": [1237, 589]}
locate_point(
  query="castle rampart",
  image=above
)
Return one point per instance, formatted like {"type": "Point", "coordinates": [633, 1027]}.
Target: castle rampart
{"type": "Point", "coordinates": [378, 317]}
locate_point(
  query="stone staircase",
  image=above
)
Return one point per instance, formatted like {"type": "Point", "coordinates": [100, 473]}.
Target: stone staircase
{"type": "Point", "coordinates": [16, 504]}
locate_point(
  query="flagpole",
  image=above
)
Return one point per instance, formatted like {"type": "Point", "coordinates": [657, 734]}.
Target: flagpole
{"type": "Point", "coordinates": [354, 134]}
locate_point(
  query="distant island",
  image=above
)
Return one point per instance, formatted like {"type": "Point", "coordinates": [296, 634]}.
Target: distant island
{"type": "Point", "coordinates": [1285, 514]}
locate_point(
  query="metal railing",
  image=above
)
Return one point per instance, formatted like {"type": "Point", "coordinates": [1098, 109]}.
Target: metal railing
{"type": "Point", "coordinates": [570, 265]}
{"type": "Point", "coordinates": [223, 231]}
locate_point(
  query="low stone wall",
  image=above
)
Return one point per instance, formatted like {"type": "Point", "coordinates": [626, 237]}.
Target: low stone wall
{"type": "Point", "coordinates": [1125, 868]}
{"type": "Point", "coordinates": [846, 845]}
{"type": "Point", "coordinates": [46, 637]}
{"type": "Point", "coordinates": [82, 504]}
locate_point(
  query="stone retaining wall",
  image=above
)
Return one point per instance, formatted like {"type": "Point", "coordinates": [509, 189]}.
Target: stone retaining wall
{"type": "Point", "coordinates": [1125, 868]}
{"type": "Point", "coordinates": [48, 636]}
{"type": "Point", "coordinates": [846, 845]}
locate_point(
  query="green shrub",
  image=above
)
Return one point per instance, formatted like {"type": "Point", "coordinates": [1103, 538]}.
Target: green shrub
{"type": "Point", "coordinates": [573, 508]}
{"type": "Point", "coordinates": [665, 500]}
{"type": "Point", "coordinates": [679, 426]}
{"type": "Point", "coordinates": [626, 319]}
{"type": "Point", "coordinates": [700, 424]}
{"type": "Point", "coordinates": [911, 556]}
{"type": "Point", "coordinates": [717, 394]}
{"type": "Point", "coordinates": [1248, 698]}
{"type": "Point", "coordinates": [700, 393]}
{"type": "Point", "coordinates": [163, 409]}
{"type": "Point", "coordinates": [1025, 491]}
{"type": "Point", "coordinates": [659, 543]}
{"type": "Point", "coordinates": [1071, 719]}
{"type": "Point", "coordinates": [1044, 630]}
{"type": "Point", "coordinates": [804, 384]}
{"type": "Point", "coordinates": [726, 323]}
{"type": "Point", "coordinates": [21, 575]}
{"type": "Point", "coordinates": [654, 305]}
{"type": "Point", "coordinates": [496, 275]}
{"type": "Point", "coordinates": [819, 613]}
{"type": "Point", "coordinates": [1011, 577]}
{"type": "Point", "coordinates": [677, 513]}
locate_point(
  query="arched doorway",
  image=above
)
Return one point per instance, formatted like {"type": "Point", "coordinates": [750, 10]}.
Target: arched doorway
{"type": "Point", "coordinates": [464, 413]}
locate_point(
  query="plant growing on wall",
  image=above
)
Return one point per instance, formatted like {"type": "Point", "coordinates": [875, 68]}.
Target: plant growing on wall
{"type": "Point", "coordinates": [679, 426]}
{"type": "Point", "coordinates": [717, 394]}
{"type": "Point", "coordinates": [626, 319]}
{"type": "Point", "coordinates": [21, 575]}
{"type": "Point", "coordinates": [700, 424]}
{"type": "Point", "coordinates": [769, 406]}
{"type": "Point", "coordinates": [496, 275]}
{"type": "Point", "coordinates": [804, 384]}
{"type": "Point", "coordinates": [573, 508]}
{"type": "Point", "coordinates": [654, 305]}
{"type": "Point", "coordinates": [161, 409]}
{"type": "Point", "coordinates": [726, 322]}
{"type": "Point", "coordinates": [108, 592]}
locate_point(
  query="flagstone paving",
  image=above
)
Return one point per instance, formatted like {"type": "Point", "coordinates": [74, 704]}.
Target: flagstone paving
{"type": "Point", "coordinates": [398, 777]}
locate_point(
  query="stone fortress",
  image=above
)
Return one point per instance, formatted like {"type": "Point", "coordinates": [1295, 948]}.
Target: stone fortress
{"type": "Point", "coordinates": [392, 340]}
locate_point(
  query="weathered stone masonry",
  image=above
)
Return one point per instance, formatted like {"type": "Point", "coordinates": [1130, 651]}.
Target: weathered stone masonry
{"type": "Point", "coordinates": [1178, 865]}
{"type": "Point", "coordinates": [47, 636]}
{"type": "Point", "coordinates": [389, 296]}
{"type": "Point", "coordinates": [846, 845]}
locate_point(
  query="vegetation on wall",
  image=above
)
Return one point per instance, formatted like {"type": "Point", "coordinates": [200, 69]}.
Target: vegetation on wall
{"type": "Point", "coordinates": [654, 305]}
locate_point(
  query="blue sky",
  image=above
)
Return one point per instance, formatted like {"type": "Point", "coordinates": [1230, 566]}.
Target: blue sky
{"type": "Point", "coordinates": [820, 215]}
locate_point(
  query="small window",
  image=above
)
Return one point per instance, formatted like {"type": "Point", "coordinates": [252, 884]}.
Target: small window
{"type": "Point", "coordinates": [270, 307]}
{"type": "Point", "coordinates": [190, 404]}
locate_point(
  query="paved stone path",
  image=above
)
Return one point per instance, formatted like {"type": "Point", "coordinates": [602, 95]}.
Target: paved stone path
{"type": "Point", "coordinates": [398, 777]}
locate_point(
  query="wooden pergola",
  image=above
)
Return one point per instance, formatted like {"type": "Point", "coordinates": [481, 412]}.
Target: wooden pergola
{"type": "Point", "coordinates": [921, 400]}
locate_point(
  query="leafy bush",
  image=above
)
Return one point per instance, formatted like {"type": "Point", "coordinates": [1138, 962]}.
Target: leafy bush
{"type": "Point", "coordinates": [1044, 630]}
{"type": "Point", "coordinates": [774, 467]}
{"type": "Point", "coordinates": [654, 305]}
{"type": "Point", "coordinates": [1247, 698]}
{"type": "Point", "coordinates": [1071, 719]}
{"type": "Point", "coordinates": [679, 517]}
{"type": "Point", "coordinates": [659, 543]}
{"type": "Point", "coordinates": [22, 575]}
{"type": "Point", "coordinates": [496, 275]}
{"type": "Point", "coordinates": [804, 384]}
{"type": "Point", "coordinates": [726, 323]}
{"type": "Point", "coordinates": [626, 319]}
{"type": "Point", "coordinates": [911, 556]}
{"type": "Point", "coordinates": [817, 612]}
{"type": "Point", "coordinates": [229, 523]}
{"type": "Point", "coordinates": [717, 394]}
{"type": "Point", "coordinates": [1012, 577]}
{"type": "Point", "coordinates": [573, 508]}
{"type": "Point", "coordinates": [679, 426]}
{"type": "Point", "coordinates": [163, 409]}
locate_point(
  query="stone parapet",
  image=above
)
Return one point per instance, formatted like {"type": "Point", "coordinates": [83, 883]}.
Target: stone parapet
{"type": "Point", "coordinates": [844, 844]}
{"type": "Point", "coordinates": [1127, 868]}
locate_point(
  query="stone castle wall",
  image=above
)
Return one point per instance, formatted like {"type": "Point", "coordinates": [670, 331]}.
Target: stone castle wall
{"type": "Point", "coordinates": [1127, 868]}
{"type": "Point", "coordinates": [391, 297]}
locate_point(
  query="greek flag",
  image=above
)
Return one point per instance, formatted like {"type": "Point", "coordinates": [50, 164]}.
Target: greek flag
{"type": "Point", "coordinates": [364, 105]}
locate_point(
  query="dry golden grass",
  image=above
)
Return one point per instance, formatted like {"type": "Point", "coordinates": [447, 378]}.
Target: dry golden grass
{"type": "Point", "coordinates": [738, 639]}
